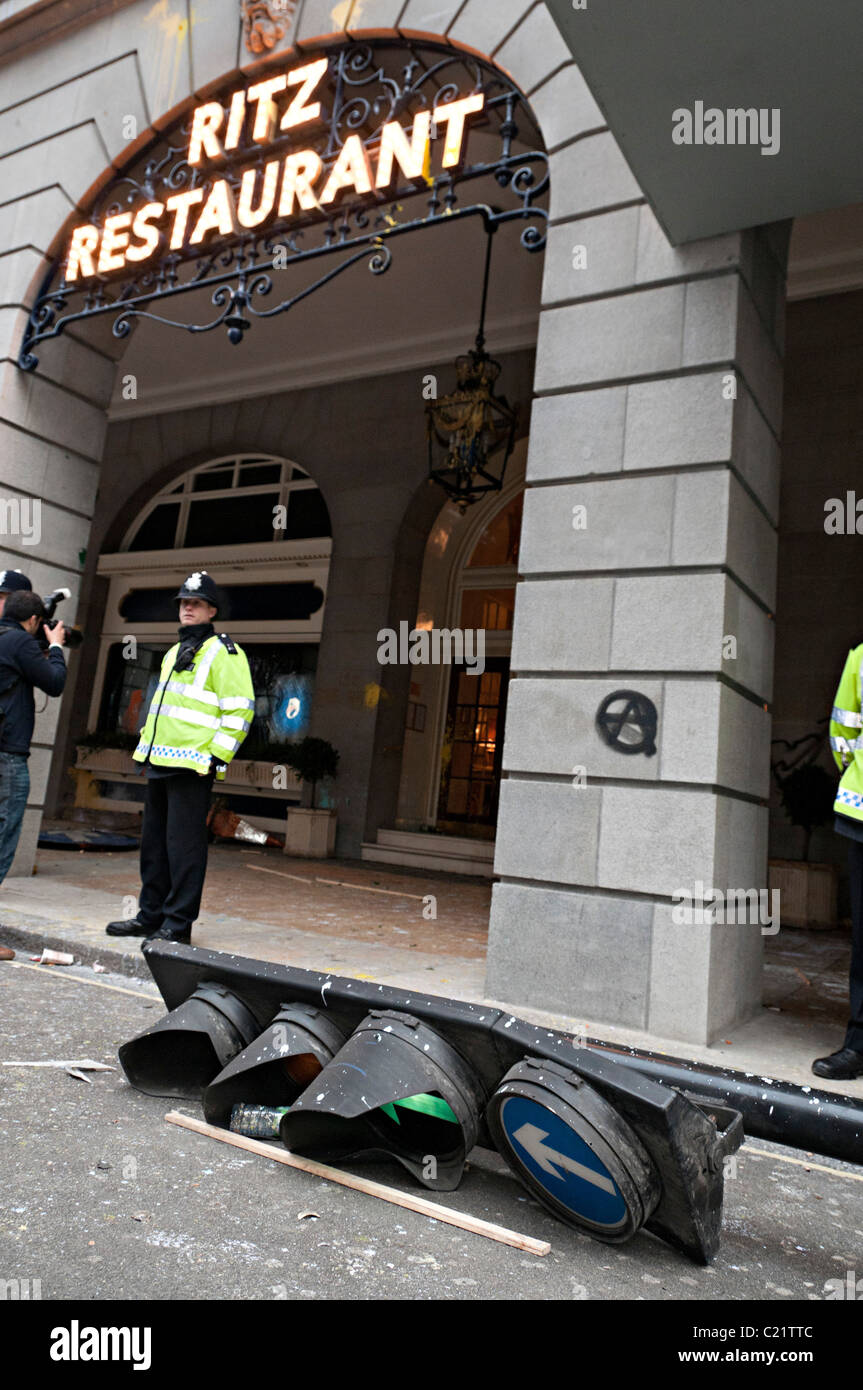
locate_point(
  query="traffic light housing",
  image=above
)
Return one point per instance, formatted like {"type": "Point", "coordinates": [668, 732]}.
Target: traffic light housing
{"type": "Point", "coordinates": [664, 1150]}
{"type": "Point", "coordinates": [182, 1053]}
{"type": "Point", "coordinates": [573, 1151]}
{"type": "Point", "coordinates": [396, 1088]}
{"type": "Point", "coordinates": [278, 1065]}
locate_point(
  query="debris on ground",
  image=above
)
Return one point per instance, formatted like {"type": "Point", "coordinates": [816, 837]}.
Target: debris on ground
{"type": "Point", "coordinates": [81, 1063]}
{"type": "Point", "coordinates": [227, 825]}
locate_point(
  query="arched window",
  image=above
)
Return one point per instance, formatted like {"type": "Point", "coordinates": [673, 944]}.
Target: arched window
{"type": "Point", "coordinates": [246, 498]}
{"type": "Point", "coordinates": [260, 526]}
{"type": "Point", "coordinates": [488, 598]}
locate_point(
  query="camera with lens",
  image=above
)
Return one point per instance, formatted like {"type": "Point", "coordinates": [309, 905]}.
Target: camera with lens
{"type": "Point", "coordinates": [74, 637]}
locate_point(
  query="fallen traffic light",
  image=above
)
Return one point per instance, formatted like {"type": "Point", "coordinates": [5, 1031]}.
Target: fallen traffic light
{"type": "Point", "coordinates": [182, 1053]}
{"type": "Point", "coordinates": [278, 1065]}
{"type": "Point", "coordinates": [396, 1088]}
{"type": "Point", "coordinates": [421, 1079]}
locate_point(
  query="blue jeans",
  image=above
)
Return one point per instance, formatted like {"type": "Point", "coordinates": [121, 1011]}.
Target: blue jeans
{"type": "Point", "coordinates": [14, 790]}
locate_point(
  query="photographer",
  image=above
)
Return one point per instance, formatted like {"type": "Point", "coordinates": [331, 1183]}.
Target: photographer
{"type": "Point", "coordinates": [12, 581]}
{"type": "Point", "coordinates": [23, 667]}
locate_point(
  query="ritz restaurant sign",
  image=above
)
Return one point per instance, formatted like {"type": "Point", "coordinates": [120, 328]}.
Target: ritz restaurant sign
{"type": "Point", "coordinates": [283, 186]}
{"type": "Point", "coordinates": [328, 158]}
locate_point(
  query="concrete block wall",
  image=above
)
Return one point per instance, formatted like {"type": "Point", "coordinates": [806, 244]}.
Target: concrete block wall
{"type": "Point", "coordinates": [52, 425]}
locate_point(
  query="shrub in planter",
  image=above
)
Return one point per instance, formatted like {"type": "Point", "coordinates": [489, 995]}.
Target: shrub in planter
{"type": "Point", "coordinates": [312, 759]}
{"type": "Point", "coordinates": [311, 833]}
{"type": "Point", "coordinates": [807, 796]}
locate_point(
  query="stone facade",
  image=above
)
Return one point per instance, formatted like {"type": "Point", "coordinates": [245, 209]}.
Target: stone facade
{"type": "Point", "coordinates": [658, 401]}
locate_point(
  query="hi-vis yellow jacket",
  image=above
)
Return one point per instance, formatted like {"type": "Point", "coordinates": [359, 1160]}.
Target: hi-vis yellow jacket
{"type": "Point", "coordinates": [845, 737]}
{"type": "Point", "coordinates": [201, 716]}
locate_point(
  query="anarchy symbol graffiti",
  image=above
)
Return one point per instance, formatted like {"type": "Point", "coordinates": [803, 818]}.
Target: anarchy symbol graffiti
{"type": "Point", "coordinates": [627, 721]}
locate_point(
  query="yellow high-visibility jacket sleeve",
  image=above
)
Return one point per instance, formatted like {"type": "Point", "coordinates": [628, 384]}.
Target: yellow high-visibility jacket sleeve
{"type": "Point", "coordinates": [845, 720]}
{"type": "Point", "coordinates": [231, 680]}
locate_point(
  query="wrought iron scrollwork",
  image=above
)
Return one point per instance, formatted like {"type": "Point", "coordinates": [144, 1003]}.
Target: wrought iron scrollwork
{"type": "Point", "coordinates": [366, 88]}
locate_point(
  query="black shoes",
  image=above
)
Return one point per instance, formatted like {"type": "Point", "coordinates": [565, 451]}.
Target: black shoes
{"type": "Point", "coordinates": [163, 934]}
{"type": "Point", "coordinates": [132, 927]}
{"type": "Point", "coordinates": [844, 1065]}
{"type": "Point", "coordinates": [135, 928]}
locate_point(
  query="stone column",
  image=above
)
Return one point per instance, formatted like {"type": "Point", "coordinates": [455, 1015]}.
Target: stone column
{"type": "Point", "coordinates": [73, 111]}
{"type": "Point", "coordinates": [50, 445]}
{"type": "Point", "coordinates": [52, 420]}
{"type": "Point", "coordinates": [647, 563]}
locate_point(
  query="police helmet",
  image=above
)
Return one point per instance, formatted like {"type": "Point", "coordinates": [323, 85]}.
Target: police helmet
{"type": "Point", "coordinates": [199, 585]}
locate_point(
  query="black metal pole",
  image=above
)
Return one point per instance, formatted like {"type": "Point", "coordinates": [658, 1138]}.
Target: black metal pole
{"type": "Point", "coordinates": [480, 337]}
{"type": "Point", "coordinates": [800, 1116]}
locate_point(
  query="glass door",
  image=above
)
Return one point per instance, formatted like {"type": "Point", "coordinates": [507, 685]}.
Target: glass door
{"type": "Point", "coordinates": [472, 750]}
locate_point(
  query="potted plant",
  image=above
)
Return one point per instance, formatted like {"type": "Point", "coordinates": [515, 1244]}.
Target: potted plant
{"type": "Point", "coordinates": [808, 892]}
{"type": "Point", "coordinates": [311, 831]}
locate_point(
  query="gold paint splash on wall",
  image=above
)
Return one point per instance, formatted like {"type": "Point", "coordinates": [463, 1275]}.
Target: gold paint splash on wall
{"type": "Point", "coordinates": [339, 13]}
{"type": "Point", "coordinates": [172, 54]}
{"type": "Point", "coordinates": [373, 694]}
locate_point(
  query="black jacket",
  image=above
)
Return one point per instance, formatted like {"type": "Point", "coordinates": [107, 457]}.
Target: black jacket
{"type": "Point", "coordinates": [22, 657]}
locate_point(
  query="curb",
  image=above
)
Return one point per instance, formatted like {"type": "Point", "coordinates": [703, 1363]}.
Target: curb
{"type": "Point", "coordinates": [33, 939]}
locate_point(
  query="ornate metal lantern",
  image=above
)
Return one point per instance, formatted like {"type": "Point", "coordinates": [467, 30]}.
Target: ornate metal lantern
{"type": "Point", "coordinates": [474, 427]}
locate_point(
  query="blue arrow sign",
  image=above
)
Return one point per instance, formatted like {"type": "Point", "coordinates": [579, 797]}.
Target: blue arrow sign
{"type": "Point", "coordinates": [562, 1162]}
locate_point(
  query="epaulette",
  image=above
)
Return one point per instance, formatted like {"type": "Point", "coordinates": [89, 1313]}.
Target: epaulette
{"type": "Point", "coordinates": [227, 642]}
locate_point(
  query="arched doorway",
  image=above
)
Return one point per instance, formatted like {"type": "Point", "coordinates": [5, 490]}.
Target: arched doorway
{"type": "Point", "coordinates": [454, 727]}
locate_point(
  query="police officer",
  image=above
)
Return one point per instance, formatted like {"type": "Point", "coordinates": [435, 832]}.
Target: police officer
{"type": "Point", "coordinates": [200, 713]}
{"type": "Point", "coordinates": [846, 722]}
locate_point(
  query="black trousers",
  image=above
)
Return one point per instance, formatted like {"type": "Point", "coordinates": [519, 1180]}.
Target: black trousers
{"type": "Point", "coordinates": [174, 850]}
{"type": "Point", "coordinates": [854, 1036]}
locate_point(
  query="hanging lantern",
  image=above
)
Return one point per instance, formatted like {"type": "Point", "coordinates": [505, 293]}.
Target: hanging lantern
{"type": "Point", "coordinates": [473, 427]}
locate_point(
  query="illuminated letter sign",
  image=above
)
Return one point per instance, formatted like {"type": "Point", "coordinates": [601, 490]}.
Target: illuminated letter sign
{"type": "Point", "coordinates": [322, 164]}
{"type": "Point", "coordinates": [291, 183]}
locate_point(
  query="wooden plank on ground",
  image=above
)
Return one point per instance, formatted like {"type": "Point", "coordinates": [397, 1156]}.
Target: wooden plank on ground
{"type": "Point", "coordinates": [474, 1224]}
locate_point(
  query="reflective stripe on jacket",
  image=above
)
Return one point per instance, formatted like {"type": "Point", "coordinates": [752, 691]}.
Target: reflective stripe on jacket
{"type": "Point", "coordinates": [199, 717]}
{"type": "Point", "coordinates": [846, 737]}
